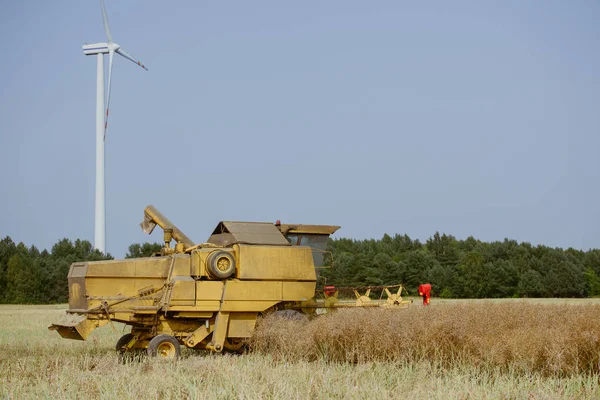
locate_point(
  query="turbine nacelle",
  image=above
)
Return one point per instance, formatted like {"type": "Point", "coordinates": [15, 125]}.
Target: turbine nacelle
{"type": "Point", "coordinates": [96, 48]}
{"type": "Point", "coordinates": [100, 48]}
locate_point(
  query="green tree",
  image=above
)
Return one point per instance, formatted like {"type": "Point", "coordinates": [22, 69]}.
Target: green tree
{"type": "Point", "coordinates": [592, 283]}
{"type": "Point", "coordinates": [473, 276]}
{"type": "Point", "coordinates": [592, 260]}
{"type": "Point", "coordinates": [394, 272]}
{"type": "Point", "coordinates": [444, 248]}
{"type": "Point", "coordinates": [24, 279]}
{"type": "Point", "coordinates": [7, 250]}
{"type": "Point", "coordinates": [147, 249]}
{"type": "Point", "coordinates": [339, 272]}
{"type": "Point", "coordinates": [445, 281]}
{"type": "Point", "coordinates": [563, 277]}
{"type": "Point", "coordinates": [531, 285]}
{"type": "Point", "coordinates": [419, 264]}
{"type": "Point", "coordinates": [502, 279]}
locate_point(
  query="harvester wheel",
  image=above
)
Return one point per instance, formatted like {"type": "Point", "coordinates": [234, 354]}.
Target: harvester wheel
{"type": "Point", "coordinates": [122, 342]}
{"type": "Point", "coordinates": [124, 353]}
{"type": "Point", "coordinates": [234, 345]}
{"type": "Point", "coordinates": [290, 314]}
{"type": "Point", "coordinates": [165, 347]}
{"type": "Point", "coordinates": [220, 264]}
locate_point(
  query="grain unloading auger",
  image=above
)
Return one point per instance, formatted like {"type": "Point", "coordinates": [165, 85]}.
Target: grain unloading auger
{"type": "Point", "coordinates": [203, 296]}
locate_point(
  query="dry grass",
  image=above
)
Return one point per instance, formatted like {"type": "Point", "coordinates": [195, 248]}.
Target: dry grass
{"type": "Point", "coordinates": [520, 337]}
{"type": "Point", "coordinates": [36, 363]}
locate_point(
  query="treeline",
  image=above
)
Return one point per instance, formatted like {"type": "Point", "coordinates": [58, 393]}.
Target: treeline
{"type": "Point", "coordinates": [456, 268]}
{"type": "Point", "coordinates": [466, 268]}
{"type": "Point", "coordinates": [31, 276]}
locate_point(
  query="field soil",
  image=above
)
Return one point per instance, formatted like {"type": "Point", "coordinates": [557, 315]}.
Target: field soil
{"type": "Point", "coordinates": [495, 349]}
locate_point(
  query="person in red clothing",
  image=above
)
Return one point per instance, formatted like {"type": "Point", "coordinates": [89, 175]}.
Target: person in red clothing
{"type": "Point", "coordinates": [425, 292]}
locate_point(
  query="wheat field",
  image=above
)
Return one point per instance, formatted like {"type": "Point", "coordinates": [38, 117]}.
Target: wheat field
{"type": "Point", "coordinates": [482, 350]}
{"type": "Point", "coordinates": [543, 338]}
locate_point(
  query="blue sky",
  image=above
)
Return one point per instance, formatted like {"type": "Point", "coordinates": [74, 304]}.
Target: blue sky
{"type": "Point", "coordinates": [468, 117]}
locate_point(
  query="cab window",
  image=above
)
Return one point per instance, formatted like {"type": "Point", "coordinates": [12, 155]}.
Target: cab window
{"type": "Point", "coordinates": [317, 242]}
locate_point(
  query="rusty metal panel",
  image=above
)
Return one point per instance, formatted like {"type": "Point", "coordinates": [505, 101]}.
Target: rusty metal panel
{"type": "Point", "coordinates": [208, 295]}
{"type": "Point", "coordinates": [247, 306]}
{"type": "Point", "coordinates": [275, 263]}
{"type": "Point", "coordinates": [151, 267]}
{"type": "Point", "coordinates": [77, 289]}
{"type": "Point", "coordinates": [198, 263]}
{"type": "Point", "coordinates": [209, 290]}
{"type": "Point", "coordinates": [183, 292]}
{"type": "Point", "coordinates": [241, 325]}
{"type": "Point", "coordinates": [310, 229]}
{"type": "Point", "coordinates": [182, 265]}
{"type": "Point", "coordinates": [194, 314]}
{"type": "Point", "coordinates": [76, 326]}
{"type": "Point", "coordinates": [252, 290]}
{"type": "Point", "coordinates": [298, 291]}
{"type": "Point", "coordinates": [230, 232]}
{"type": "Point", "coordinates": [207, 305]}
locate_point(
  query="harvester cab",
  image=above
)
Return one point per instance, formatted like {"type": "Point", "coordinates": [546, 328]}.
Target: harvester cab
{"type": "Point", "coordinates": [313, 236]}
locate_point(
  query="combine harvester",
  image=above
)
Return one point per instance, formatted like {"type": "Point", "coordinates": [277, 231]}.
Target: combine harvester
{"type": "Point", "coordinates": [208, 295]}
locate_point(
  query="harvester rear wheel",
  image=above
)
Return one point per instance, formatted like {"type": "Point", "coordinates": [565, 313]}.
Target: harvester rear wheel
{"type": "Point", "coordinates": [165, 347]}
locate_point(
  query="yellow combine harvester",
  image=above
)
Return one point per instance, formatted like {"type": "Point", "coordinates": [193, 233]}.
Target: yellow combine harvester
{"type": "Point", "coordinates": [204, 296]}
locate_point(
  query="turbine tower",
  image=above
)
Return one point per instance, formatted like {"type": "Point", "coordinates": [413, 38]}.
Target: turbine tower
{"type": "Point", "coordinates": [99, 50]}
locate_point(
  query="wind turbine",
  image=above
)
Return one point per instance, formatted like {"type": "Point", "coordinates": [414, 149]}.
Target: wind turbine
{"type": "Point", "coordinates": [100, 49]}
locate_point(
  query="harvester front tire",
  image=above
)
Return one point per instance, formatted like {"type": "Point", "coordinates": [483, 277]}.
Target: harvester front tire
{"type": "Point", "coordinates": [123, 353]}
{"type": "Point", "coordinates": [124, 340]}
{"type": "Point", "coordinates": [165, 347]}
{"type": "Point", "coordinates": [220, 264]}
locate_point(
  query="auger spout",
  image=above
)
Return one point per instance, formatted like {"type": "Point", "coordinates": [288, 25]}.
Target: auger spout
{"type": "Point", "coordinates": [153, 217]}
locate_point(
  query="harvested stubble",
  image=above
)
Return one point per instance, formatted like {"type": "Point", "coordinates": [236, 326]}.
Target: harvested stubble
{"type": "Point", "coordinates": [519, 337]}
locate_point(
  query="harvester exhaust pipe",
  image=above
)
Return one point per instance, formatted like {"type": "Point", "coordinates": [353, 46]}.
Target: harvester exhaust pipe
{"type": "Point", "coordinates": [153, 217]}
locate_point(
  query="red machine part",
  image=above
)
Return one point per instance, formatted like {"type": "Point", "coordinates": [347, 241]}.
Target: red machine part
{"type": "Point", "coordinates": [425, 292]}
{"type": "Point", "coordinates": [329, 290]}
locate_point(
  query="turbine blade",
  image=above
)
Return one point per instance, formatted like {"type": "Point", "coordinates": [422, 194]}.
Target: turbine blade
{"type": "Point", "coordinates": [127, 56]}
{"type": "Point", "coordinates": [106, 25]}
{"type": "Point", "coordinates": [110, 64]}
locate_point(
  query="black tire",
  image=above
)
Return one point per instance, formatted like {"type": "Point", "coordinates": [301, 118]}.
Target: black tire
{"type": "Point", "coordinates": [220, 264]}
{"type": "Point", "coordinates": [165, 347]}
{"type": "Point", "coordinates": [127, 355]}
{"type": "Point", "coordinates": [235, 346]}
{"type": "Point", "coordinates": [124, 340]}
{"type": "Point", "coordinates": [290, 314]}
